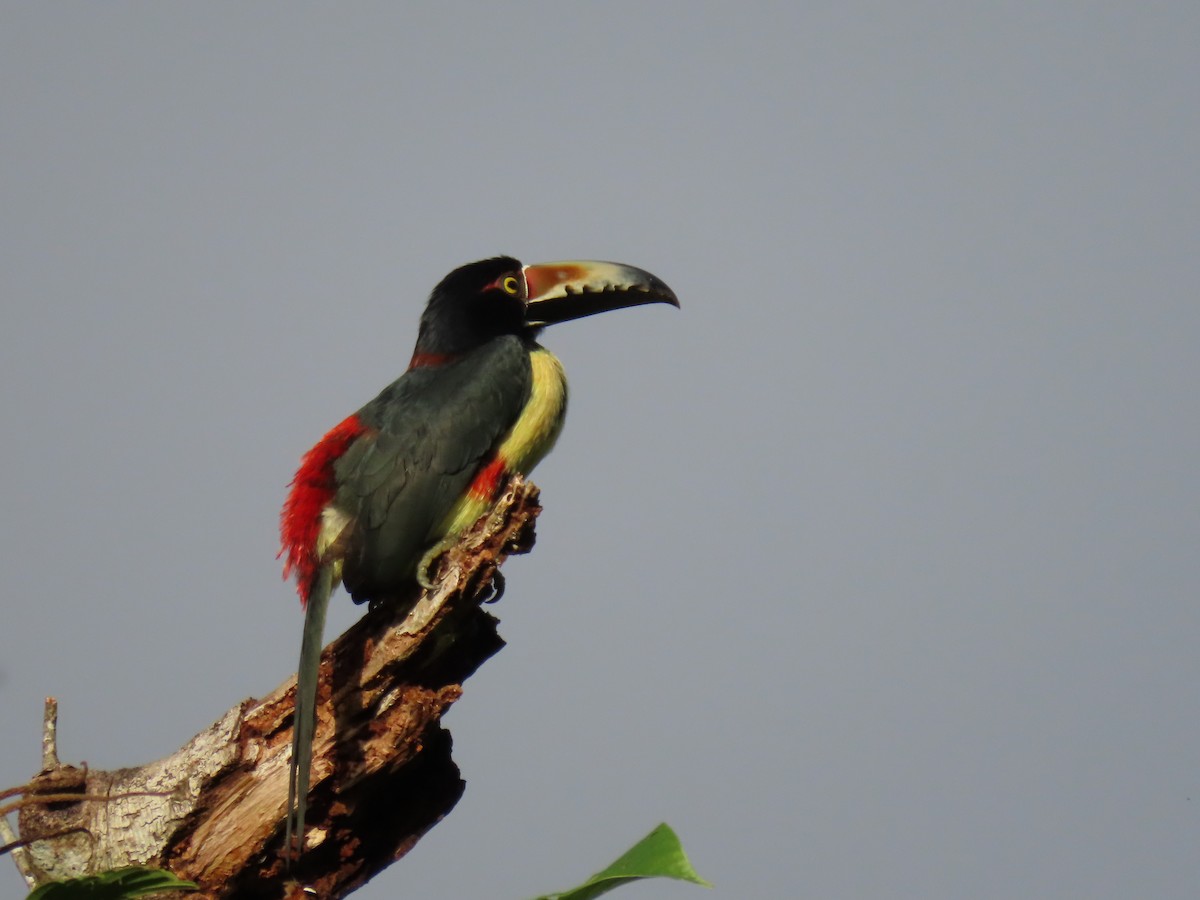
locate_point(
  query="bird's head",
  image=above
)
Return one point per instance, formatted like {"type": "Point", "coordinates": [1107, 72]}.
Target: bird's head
{"type": "Point", "coordinates": [498, 296]}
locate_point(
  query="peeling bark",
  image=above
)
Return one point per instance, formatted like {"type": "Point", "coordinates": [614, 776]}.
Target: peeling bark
{"type": "Point", "coordinates": [214, 811]}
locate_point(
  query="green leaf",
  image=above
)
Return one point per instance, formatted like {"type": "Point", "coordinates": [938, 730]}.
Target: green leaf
{"type": "Point", "coordinates": [119, 884]}
{"type": "Point", "coordinates": [658, 855]}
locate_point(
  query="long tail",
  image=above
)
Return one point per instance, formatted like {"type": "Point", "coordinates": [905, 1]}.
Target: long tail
{"type": "Point", "coordinates": [305, 721]}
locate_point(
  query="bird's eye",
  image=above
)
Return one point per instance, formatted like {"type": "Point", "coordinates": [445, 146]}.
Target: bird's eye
{"type": "Point", "coordinates": [510, 285]}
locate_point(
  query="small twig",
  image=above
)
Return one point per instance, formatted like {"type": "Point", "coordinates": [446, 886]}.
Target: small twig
{"type": "Point", "coordinates": [18, 844]}
{"type": "Point", "coordinates": [42, 799]}
{"type": "Point", "coordinates": [19, 856]}
{"type": "Point", "coordinates": [50, 735]}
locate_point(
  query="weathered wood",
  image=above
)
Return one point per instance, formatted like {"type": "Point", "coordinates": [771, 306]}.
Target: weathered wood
{"type": "Point", "coordinates": [213, 812]}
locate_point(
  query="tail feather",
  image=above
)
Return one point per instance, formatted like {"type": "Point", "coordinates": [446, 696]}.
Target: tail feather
{"type": "Point", "coordinates": [305, 721]}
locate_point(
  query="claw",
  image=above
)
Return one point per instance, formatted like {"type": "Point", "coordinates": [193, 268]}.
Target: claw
{"type": "Point", "coordinates": [497, 589]}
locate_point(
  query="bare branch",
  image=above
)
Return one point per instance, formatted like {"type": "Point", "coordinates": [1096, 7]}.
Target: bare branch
{"type": "Point", "coordinates": [213, 812]}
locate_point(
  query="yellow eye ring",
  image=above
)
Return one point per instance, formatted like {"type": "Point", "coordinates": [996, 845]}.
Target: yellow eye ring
{"type": "Point", "coordinates": [510, 285]}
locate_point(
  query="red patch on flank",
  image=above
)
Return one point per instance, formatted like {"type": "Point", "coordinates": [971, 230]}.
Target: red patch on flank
{"type": "Point", "coordinates": [487, 480]}
{"type": "Point", "coordinates": [422, 360]}
{"type": "Point", "coordinates": [310, 492]}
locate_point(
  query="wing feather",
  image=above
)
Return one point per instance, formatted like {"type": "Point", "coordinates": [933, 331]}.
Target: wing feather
{"type": "Point", "coordinates": [431, 431]}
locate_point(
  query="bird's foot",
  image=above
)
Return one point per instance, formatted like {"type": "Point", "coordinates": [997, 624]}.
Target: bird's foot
{"type": "Point", "coordinates": [426, 568]}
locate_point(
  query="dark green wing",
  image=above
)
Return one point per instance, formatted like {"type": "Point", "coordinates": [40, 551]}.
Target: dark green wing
{"type": "Point", "coordinates": [429, 431]}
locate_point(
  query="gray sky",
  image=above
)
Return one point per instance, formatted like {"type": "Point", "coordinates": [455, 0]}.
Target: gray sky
{"type": "Point", "coordinates": [873, 570]}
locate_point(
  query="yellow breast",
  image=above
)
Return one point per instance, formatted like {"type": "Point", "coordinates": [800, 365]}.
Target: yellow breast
{"type": "Point", "coordinates": [541, 421]}
{"type": "Point", "coordinates": [531, 437]}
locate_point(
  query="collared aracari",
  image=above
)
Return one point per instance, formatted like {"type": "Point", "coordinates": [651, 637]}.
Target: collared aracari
{"type": "Point", "coordinates": [388, 489]}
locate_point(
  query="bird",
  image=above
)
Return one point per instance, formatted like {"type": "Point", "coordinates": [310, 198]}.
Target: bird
{"type": "Point", "coordinates": [390, 487]}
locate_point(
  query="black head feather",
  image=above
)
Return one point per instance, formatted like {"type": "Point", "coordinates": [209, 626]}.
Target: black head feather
{"type": "Point", "coordinates": [468, 308]}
